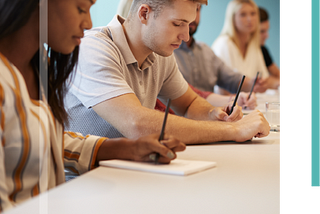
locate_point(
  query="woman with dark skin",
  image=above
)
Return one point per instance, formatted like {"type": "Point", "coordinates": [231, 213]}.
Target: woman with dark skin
{"type": "Point", "coordinates": [34, 149]}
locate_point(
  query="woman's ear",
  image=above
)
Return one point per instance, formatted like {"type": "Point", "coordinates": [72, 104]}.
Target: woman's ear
{"type": "Point", "coordinates": [144, 13]}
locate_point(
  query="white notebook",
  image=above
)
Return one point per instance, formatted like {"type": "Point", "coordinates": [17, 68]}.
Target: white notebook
{"type": "Point", "coordinates": [176, 167]}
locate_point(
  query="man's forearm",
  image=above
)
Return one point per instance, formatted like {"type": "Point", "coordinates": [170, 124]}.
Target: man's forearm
{"type": "Point", "coordinates": [131, 119]}
{"type": "Point", "coordinates": [199, 109]}
{"type": "Point", "coordinates": [189, 131]}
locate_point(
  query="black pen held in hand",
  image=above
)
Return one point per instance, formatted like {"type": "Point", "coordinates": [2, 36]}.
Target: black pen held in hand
{"type": "Point", "coordinates": [237, 95]}
{"type": "Point", "coordinates": [163, 128]}
{"type": "Point", "coordinates": [254, 83]}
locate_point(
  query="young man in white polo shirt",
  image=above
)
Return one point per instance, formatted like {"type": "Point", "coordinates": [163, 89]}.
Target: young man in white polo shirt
{"type": "Point", "coordinates": [124, 66]}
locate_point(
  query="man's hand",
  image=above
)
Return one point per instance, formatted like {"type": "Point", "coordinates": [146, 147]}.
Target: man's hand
{"type": "Point", "coordinates": [222, 114]}
{"type": "Point", "coordinates": [252, 125]}
{"type": "Point", "coordinates": [245, 103]}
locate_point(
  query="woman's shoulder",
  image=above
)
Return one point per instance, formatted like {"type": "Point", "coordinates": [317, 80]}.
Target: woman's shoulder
{"type": "Point", "coordinates": [222, 39]}
{"type": "Point", "coordinates": [221, 42]}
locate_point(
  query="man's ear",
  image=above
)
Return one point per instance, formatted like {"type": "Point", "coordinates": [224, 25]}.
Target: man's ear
{"type": "Point", "coordinates": [144, 13]}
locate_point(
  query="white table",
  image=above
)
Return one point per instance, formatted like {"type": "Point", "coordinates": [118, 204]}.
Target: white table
{"type": "Point", "coordinates": [246, 180]}
{"type": "Point", "coordinates": [269, 96]}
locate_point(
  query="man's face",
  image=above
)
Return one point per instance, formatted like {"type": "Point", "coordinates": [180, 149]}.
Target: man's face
{"type": "Point", "coordinates": [264, 31]}
{"type": "Point", "coordinates": [165, 33]}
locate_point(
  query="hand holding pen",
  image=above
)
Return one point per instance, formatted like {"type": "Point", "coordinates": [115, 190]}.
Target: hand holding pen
{"type": "Point", "coordinates": [221, 113]}
{"type": "Point", "coordinates": [250, 104]}
{"type": "Point", "coordinates": [231, 112]}
{"type": "Point", "coordinates": [226, 113]}
{"type": "Point", "coordinates": [237, 95]}
{"type": "Point", "coordinates": [163, 128]}
{"type": "Point", "coordinates": [146, 147]}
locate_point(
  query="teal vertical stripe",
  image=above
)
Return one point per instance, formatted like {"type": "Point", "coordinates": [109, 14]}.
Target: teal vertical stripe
{"type": "Point", "coordinates": [315, 93]}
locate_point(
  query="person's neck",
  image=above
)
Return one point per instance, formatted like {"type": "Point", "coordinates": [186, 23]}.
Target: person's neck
{"type": "Point", "coordinates": [244, 40]}
{"type": "Point", "coordinates": [137, 47]}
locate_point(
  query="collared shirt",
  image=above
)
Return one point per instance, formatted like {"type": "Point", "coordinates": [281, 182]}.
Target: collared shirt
{"type": "Point", "coordinates": [203, 69]}
{"type": "Point", "coordinates": [107, 69]}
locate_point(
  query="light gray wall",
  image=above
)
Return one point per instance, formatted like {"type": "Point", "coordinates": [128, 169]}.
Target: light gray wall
{"type": "Point", "coordinates": [212, 18]}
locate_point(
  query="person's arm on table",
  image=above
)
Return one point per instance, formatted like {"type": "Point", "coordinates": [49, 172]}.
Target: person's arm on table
{"type": "Point", "coordinates": [192, 106]}
{"type": "Point", "coordinates": [212, 98]}
{"type": "Point", "coordinates": [84, 153]}
{"type": "Point", "coordinates": [221, 100]}
{"type": "Point", "coordinates": [271, 82]}
{"type": "Point", "coordinates": [243, 100]}
{"type": "Point", "coordinates": [140, 149]}
{"type": "Point", "coordinates": [274, 70]}
{"type": "Point", "coordinates": [134, 120]}
{"type": "Point", "coordinates": [224, 100]}
{"type": "Point", "coordinates": [230, 81]}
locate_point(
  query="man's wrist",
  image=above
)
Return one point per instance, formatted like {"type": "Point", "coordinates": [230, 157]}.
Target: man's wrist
{"type": "Point", "coordinates": [232, 131]}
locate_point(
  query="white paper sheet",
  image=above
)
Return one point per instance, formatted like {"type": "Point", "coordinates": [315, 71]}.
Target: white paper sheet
{"type": "Point", "coordinates": [176, 167]}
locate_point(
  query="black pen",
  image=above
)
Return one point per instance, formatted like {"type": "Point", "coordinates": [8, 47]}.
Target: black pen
{"type": "Point", "coordinates": [163, 128]}
{"type": "Point", "coordinates": [254, 83]}
{"type": "Point", "coordinates": [236, 98]}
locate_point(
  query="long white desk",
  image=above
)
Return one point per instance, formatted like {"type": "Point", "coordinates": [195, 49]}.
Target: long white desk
{"type": "Point", "coordinates": [246, 180]}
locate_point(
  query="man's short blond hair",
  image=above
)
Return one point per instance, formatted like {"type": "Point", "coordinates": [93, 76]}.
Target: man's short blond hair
{"type": "Point", "coordinates": [157, 5]}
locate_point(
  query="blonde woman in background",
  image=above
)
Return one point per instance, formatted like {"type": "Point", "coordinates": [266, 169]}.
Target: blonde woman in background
{"type": "Point", "coordinates": [239, 42]}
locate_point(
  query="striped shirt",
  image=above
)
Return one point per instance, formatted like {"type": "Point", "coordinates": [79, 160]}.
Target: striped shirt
{"type": "Point", "coordinates": [34, 149]}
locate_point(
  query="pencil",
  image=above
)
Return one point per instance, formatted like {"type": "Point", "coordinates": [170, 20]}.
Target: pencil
{"type": "Point", "coordinates": [163, 128]}
{"type": "Point", "coordinates": [254, 83]}
{"type": "Point", "coordinates": [237, 95]}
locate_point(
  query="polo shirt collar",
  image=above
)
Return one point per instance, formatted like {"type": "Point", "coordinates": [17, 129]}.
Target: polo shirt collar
{"type": "Point", "coordinates": [119, 38]}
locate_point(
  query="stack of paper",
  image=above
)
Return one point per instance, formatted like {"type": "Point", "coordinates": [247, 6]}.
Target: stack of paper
{"type": "Point", "coordinates": [176, 167]}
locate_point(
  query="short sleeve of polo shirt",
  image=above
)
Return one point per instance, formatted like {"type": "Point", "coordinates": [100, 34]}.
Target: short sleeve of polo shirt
{"type": "Point", "coordinates": [174, 84]}
{"type": "Point", "coordinates": [100, 73]}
